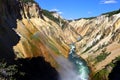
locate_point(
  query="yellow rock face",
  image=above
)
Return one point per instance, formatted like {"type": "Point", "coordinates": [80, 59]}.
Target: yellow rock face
{"type": "Point", "coordinates": [46, 38]}
{"type": "Point", "coordinates": [39, 38]}
{"type": "Point", "coordinates": [117, 24]}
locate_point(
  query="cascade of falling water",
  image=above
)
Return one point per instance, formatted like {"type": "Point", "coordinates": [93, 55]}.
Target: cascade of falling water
{"type": "Point", "coordinates": [73, 68]}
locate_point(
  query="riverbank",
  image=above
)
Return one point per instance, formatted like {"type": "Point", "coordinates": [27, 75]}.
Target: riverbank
{"type": "Point", "coordinates": [80, 65]}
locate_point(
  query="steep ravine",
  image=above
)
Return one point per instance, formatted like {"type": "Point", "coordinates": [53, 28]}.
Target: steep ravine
{"type": "Point", "coordinates": [12, 64]}
{"type": "Point", "coordinates": [81, 68]}
{"type": "Point", "coordinates": [25, 32]}
{"type": "Point", "coordinates": [99, 45]}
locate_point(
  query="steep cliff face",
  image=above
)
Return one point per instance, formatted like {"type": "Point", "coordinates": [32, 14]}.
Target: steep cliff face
{"type": "Point", "coordinates": [99, 35]}
{"type": "Point", "coordinates": [39, 36]}
{"type": "Point", "coordinates": [99, 45]}
{"type": "Point", "coordinates": [25, 32]}
{"type": "Point", "coordinates": [9, 12]}
{"type": "Point", "coordinates": [22, 37]}
{"type": "Point", "coordinates": [95, 38]}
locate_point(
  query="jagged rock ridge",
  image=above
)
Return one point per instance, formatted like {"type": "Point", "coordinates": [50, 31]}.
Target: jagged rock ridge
{"type": "Point", "coordinates": [41, 36]}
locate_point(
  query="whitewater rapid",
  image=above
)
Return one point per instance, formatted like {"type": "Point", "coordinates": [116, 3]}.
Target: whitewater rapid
{"type": "Point", "coordinates": [73, 68]}
{"type": "Point", "coordinates": [80, 65]}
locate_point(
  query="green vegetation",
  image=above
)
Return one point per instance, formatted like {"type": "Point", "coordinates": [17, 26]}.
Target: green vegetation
{"type": "Point", "coordinates": [111, 64]}
{"type": "Point", "coordinates": [104, 73]}
{"type": "Point", "coordinates": [88, 48]}
{"type": "Point", "coordinates": [101, 46]}
{"type": "Point", "coordinates": [109, 14]}
{"type": "Point", "coordinates": [93, 44]}
{"type": "Point", "coordinates": [102, 56]}
{"type": "Point", "coordinates": [101, 75]}
{"type": "Point", "coordinates": [49, 15]}
{"type": "Point", "coordinates": [25, 1]}
{"type": "Point", "coordinates": [116, 59]}
{"type": "Point", "coordinates": [89, 18]}
{"type": "Point", "coordinates": [52, 46]}
{"type": "Point", "coordinates": [8, 72]}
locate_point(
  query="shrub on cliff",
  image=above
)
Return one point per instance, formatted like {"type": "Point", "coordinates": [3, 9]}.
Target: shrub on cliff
{"type": "Point", "coordinates": [25, 1]}
{"type": "Point", "coordinates": [109, 14]}
{"type": "Point", "coordinates": [59, 20]}
{"type": "Point", "coordinates": [9, 72]}
{"type": "Point", "coordinates": [50, 16]}
{"type": "Point", "coordinates": [27, 69]}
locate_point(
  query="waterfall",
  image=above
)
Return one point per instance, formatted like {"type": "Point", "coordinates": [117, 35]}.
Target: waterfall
{"type": "Point", "coordinates": [73, 68]}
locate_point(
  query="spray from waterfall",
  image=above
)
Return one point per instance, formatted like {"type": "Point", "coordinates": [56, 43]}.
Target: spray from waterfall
{"type": "Point", "coordinates": [73, 68]}
{"type": "Point", "coordinates": [66, 70]}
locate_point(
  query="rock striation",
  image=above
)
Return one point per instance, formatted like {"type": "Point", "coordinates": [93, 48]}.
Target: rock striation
{"type": "Point", "coordinates": [26, 32]}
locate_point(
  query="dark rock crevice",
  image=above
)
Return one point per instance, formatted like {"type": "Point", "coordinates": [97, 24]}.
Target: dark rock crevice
{"type": "Point", "coordinates": [10, 12]}
{"type": "Point", "coordinates": [115, 73]}
{"type": "Point", "coordinates": [35, 68]}
{"type": "Point", "coordinates": [31, 69]}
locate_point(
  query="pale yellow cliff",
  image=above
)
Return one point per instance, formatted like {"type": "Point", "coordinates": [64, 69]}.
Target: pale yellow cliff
{"type": "Point", "coordinates": [28, 33]}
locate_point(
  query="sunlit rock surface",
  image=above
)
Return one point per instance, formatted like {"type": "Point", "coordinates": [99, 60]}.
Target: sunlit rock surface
{"type": "Point", "coordinates": [99, 34]}
{"type": "Point", "coordinates": [26, 32]}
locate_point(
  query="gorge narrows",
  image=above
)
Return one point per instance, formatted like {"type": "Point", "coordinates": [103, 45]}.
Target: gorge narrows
{"type": "Point", "coordinates": [40, 44]}
{"type": "Point", "coordinates": [80, 65]}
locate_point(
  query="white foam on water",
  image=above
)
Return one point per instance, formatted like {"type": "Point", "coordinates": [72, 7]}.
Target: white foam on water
{"type": "Point", "coordinates": [72, 68]}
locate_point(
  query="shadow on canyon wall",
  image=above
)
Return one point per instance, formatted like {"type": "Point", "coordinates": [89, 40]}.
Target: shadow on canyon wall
{"type": "Point", "coordinates": [9, 13]}
{"type": "Point", "coordinates": [28, 69]}
{"type": "Point", "coordinates": [115, 73]}
{"type": "Point", "coordinates": [35, 68]}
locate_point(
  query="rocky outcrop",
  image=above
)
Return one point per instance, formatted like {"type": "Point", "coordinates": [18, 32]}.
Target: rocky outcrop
{"type": "Point", "coordinates": [114, 73]}
{"type": "Point", "coordinates": [99, 45]}
{"type": "Point", "coordinates": [39, 36]}
{"type": "Point", "coordinates": [26, 33]}
{"type": "Point", "coordinates": [9, 12]}
{"type": "Point", "coordinates": [21, 38]}
{"type": "Point", "coordinates": [27, 69]}
{"type": "Point", "coordinates": [30, 10]}
{"type": "Point", "coordinates": [32, 27]}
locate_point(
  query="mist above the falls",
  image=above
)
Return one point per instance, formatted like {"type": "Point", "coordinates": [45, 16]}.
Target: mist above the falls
{"type": "Point", "coordinates": [67, 70]}
{"type": "Point", "coordinates": [73, 67]}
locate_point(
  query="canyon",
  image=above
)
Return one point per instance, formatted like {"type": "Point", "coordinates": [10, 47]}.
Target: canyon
{"type": "Point", "coordinates": [28, 31]}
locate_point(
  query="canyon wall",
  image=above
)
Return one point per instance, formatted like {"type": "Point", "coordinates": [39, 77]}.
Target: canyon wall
{"type": "Point", "coordinates": [26, 32]}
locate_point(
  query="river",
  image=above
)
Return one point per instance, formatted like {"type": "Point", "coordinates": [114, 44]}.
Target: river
{"type": "Point", "coordinates": [80, 65]}
{"type": "Point", "coordinates": [73, 68]}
